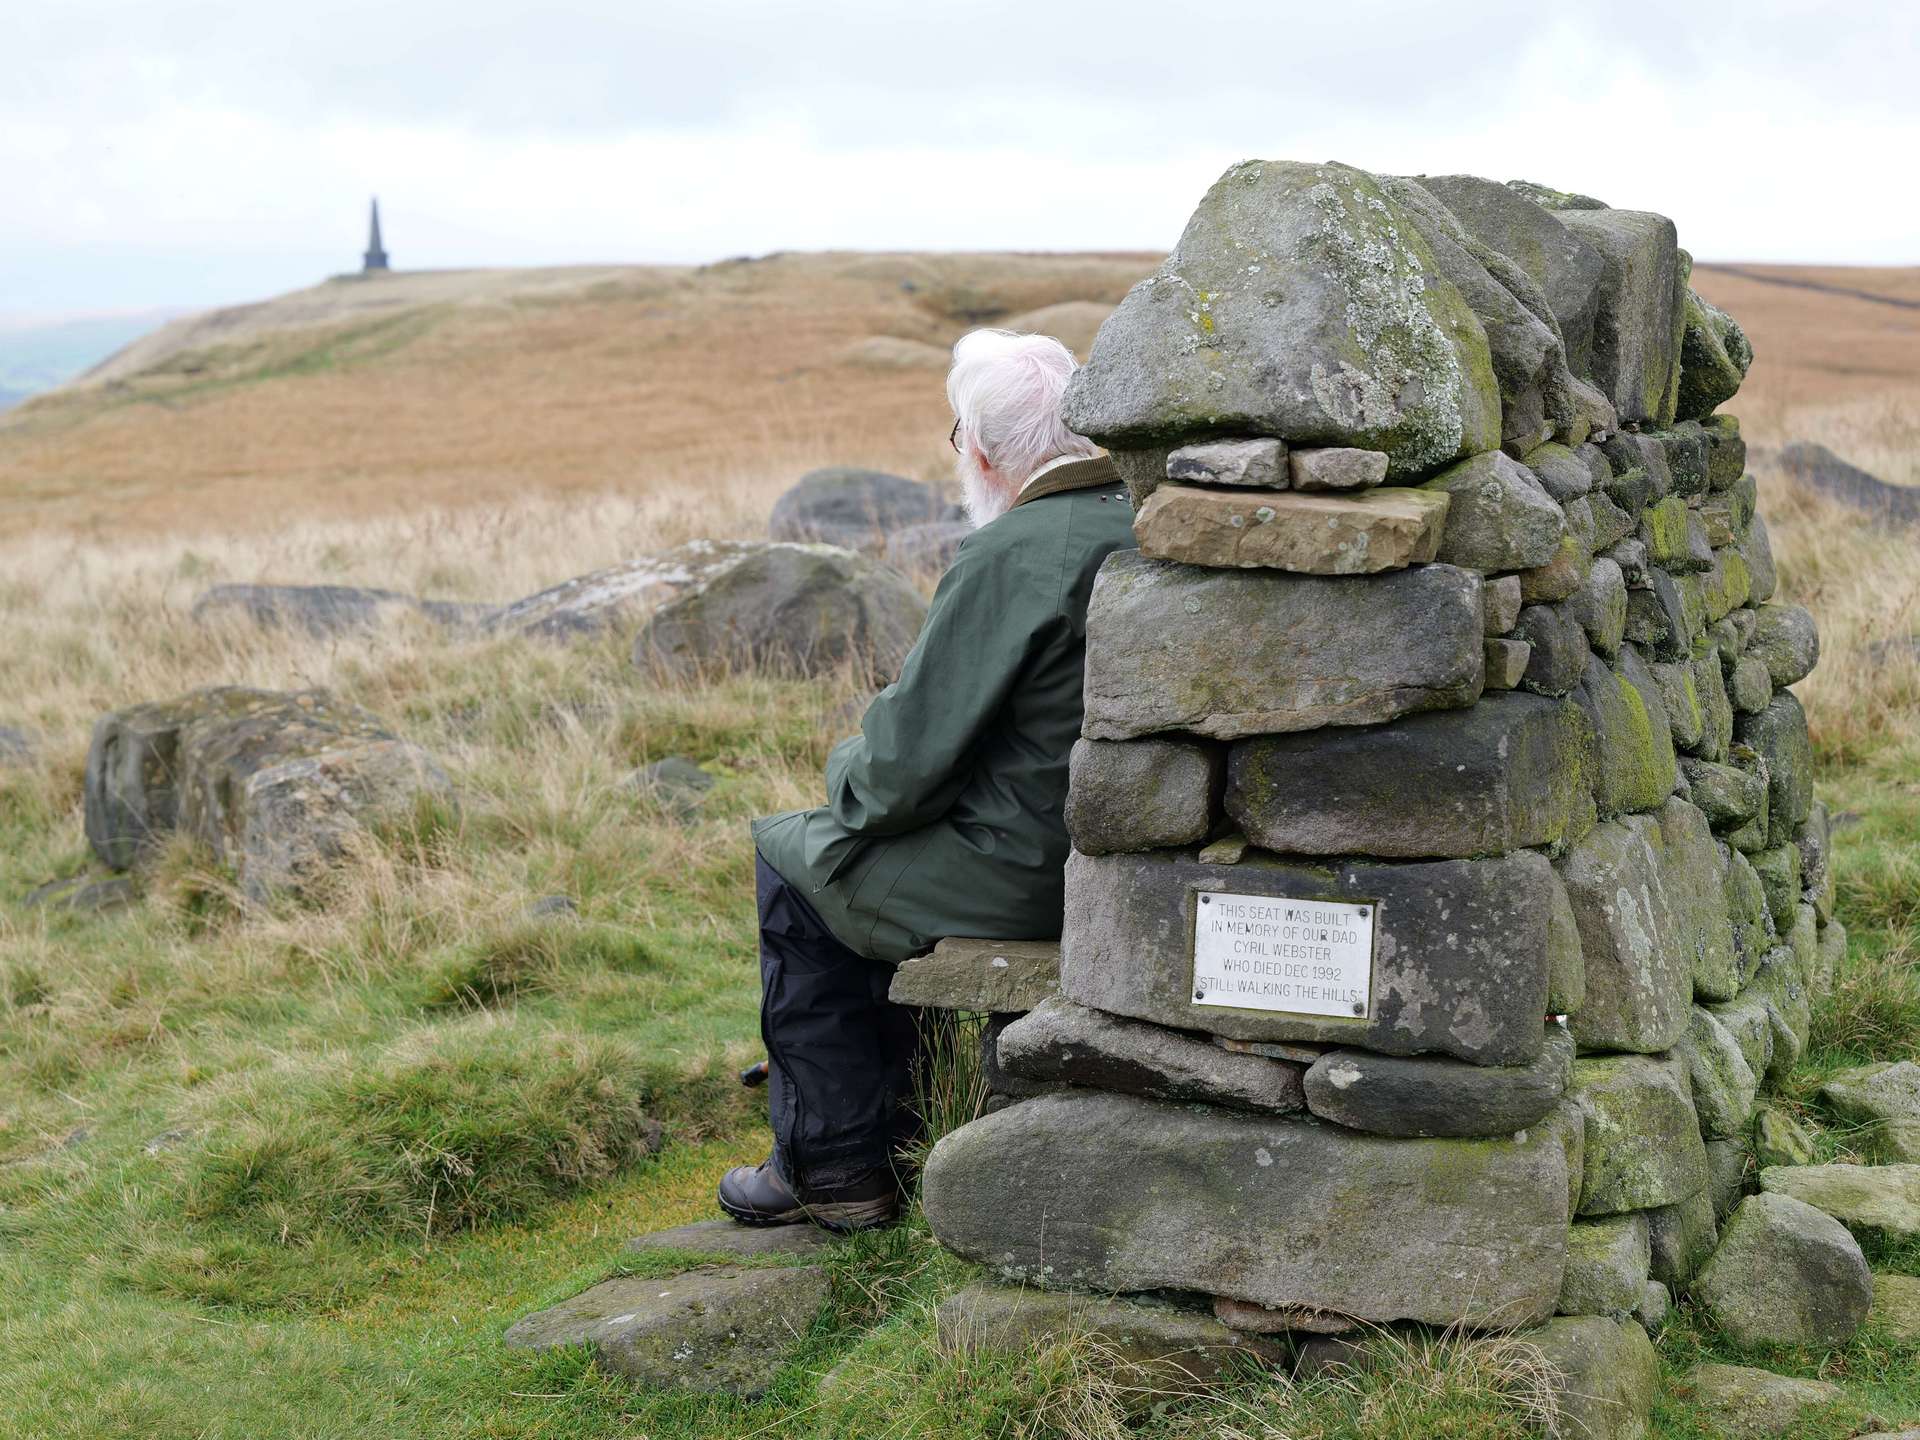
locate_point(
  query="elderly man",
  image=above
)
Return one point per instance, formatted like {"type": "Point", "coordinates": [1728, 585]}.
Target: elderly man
{"type": "Point", "coordinates": [943, 816]}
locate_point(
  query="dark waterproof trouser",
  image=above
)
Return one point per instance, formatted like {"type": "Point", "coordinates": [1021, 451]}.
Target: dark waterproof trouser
{"type": "Point", "coordinates": [840, 1055]}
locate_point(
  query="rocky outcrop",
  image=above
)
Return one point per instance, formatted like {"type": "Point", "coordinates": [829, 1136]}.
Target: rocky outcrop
{"type": "Point", "coordinates": [275, 785]}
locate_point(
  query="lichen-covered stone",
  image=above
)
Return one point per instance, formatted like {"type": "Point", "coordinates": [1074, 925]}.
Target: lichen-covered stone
{"type": "Point", "coordinates": [1864, 1197]}
{"type": "Point", "coordinates": [1643, 1146]}
{"type": "Point", "coordinates": [1726, 453]}
{"type": "Point", "coordinates": [1431, 1096]}
{"type": "Point", "coordinates": [1385, 529]}
{"type": "Point", "coordinates": [1301, 301]}
{"type": "Point", "coordinates": [1727, 583]}
{"type": "Point", "coordinates": [1789, 1010]}
{"type": "Point", "coordinates": [1749, 1019]}
{"type": "Point", "coordinates": [1642, 316]}
{"type": "Point", "coordinates": [1682, 1236]}
{"type": "Point", "coordinates": [1779, 872]}
{"type": "Point", "coordinates": [1260, 463]}
{"type": "Point", "coordinates": [1113, 1193]}
{"type": "Point", "coordinates": [1686, 716]}
{"type": "Point", "coordinates": [1639, 977]}
{"type": "Point", "coordinates": [1814, 840]}
{"type": "Point", "coordinates": [1780, 1139]}
{"type": "Point", "coordinates": [1561, 473]}
{"type": "Point", "coordinates": [1785, 1274]}
{"type": "Point", "coordinates": [1787, 642]}
{"type": "Point", "coordinates": [1501, 775]}
{"type": "Point", "coordinates": [1728, 795]}
{"type": "Point", "coordinates": [1748, 685]}
{"type": "Point", "coordinates": [1607, 1262]}
{"type": "Point", "coordinates": [1694, 879]}
{"type": "Point", "coordinates": [1666, 617]}
{"type": "Point", "coordinates": [1714, 356]}
{"type": "Point", "coordinates": [1156, 1347]}
{"type": "Point", "coordinates": [718, 1330]}
{"type": "Point", "coordinates": [1886, 1092]}
{"type": "Point", "coordinates": [1566, 966]}
{"type": "Point", "coordinates": [1724, 1085]}
{"type": "Point", "coordinates": [1460, 949]}
{"type": "Point", "coordinates": [1557, 649]}
{"type": "Point", "coordinates": [1560, 577]}
{"type": "Point", "coordinates": [1599, 605]}
{"type": "Point", "coordinates": [1336, 467]}
{"type": "Point", "coordinates": [1779, 735]}
{"type": "Point", "coordinates": [1716, 710]}
{"type": "Point", "coordinates": [1641, 476]}
{"type": "Point", "coordinates": [1233, 652]}
{"type": "Point", "coordinates": [1142, 794]}
{"type": "Point", "coordinates": [1740, 1402]}
{"type": "Point", "coordinates": [1633, 765]}
{"type": "Point", "coordinates": [1757, 547]}
{"type": "Point", "coordinates": [1604, 1376]}
{"type": "Point", "coordinates": [1686, 445]}
{"type": "Point", "coordinates": [1061, 1043]}
{"type": "Point", "coordinates": [1499, 518]}
{"type": "Point", "coordinates": [1753, 932]}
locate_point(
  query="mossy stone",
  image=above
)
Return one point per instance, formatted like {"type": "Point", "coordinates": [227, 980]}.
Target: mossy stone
{"type": "Point", "coordinates": [1643, 1147]}
{"type": "Point", "coordinates": [1607, 1265]}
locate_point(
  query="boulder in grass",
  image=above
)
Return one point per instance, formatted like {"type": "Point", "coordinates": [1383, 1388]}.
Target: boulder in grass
{"type": "Point", "coordinates": [1886, 1094]}
{"type": "Point", "coordinates": [1785, 1274]}
{"type": "Point", "coordinates": [16, 746]}
{"type": "Point", "coordinates": [621, 594]}
{"type": "Point", "coordinates": [1740, 1402]}
{"type": "Point", "coordinates": [275, 784]}
{"type": "Point", "coordinates": [854, 508]}
{"type": "Point", "coordinates": [328, 609]}
{"type": "Point", "coordinates": [786, 609]}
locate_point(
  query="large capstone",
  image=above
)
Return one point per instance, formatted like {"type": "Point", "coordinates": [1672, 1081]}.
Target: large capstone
{"type": "Point", "coordinates": [1431, 1095]}
{"type": "Point", "coordinates": [1300, 302]}
{"type": "Point", "coordinates": [1230, 652]}
{"type": "Point", "coordinates": [1643, 1147]}
{"type": "Point", "coordinates": [1785, 1274]}
{"type": "Point", "coordinates": [1501, 775]}
{"type": "Point", "coordinates": [1460, 949]}
{"type": "Point", "coordinates": [1110, 1193]}
{"type": "Point", "coordinates": [1639, 977]}
{"type": "Point", "coordinates": [1642, 313]}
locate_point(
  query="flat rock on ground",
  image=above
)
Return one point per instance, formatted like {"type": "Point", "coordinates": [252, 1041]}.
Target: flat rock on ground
{"type": "Point", "coordinates": [1156, 1346]}
{"type": "Point", "coordinates": [716, 1330]}
{"type": "Point", "coordinates": [620, 594]}
{"type": "Point", "coordinates": [729, 1237]}
{"type": "Point", "coordinates": [1742, 1403]}
{"type": "Point", "coordinates": [1867, 1197]}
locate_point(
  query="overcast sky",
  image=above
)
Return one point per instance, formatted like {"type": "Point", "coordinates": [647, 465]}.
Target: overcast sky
{"type": "Point", "coordinates": [162, 153]}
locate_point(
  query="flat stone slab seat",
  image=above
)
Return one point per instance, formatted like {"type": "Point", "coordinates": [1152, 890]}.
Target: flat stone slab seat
{"type": "Point", "coordinates": [995, 977]}
{"type": "Point", "coordinates": [1154, 1346]}
{"type": "Point", "coordinates": [1110, 1193]}
{"type": "Point", "coordinates": [721, 1329]}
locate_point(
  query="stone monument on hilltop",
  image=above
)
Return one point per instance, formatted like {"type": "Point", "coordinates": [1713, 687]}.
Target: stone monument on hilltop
{"type": "Point", "coordinates": [1448, 879]}
{"type": "Point", "coordinates": [375, 260]}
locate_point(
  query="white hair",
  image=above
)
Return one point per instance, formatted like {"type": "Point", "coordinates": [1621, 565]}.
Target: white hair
{"type": "Point", "coordinates": [1005, 390]}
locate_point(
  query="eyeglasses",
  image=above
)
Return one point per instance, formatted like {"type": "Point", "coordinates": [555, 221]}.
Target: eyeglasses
{"type": "Point", "coordinates": [953, 437]}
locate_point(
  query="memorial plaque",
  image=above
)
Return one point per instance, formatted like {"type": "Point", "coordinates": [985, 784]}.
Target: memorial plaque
{"type": "Point", "coordinates": [1267, 952]}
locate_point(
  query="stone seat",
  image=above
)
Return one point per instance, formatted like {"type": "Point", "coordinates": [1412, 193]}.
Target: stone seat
{"type": "Point", "coordinates": [994, 977]}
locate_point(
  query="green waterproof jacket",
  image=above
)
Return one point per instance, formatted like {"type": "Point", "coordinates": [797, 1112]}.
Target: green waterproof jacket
{"type": "Point", "coordinates": [944, 815]}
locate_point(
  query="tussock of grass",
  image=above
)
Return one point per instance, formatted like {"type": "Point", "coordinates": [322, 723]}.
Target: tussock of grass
{"type": "Point", "coordinates": [527, 956]}
{"type": "Point", "coordinates": [460, 1128]}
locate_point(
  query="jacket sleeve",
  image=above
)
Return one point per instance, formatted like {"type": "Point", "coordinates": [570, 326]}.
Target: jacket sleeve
{"type": "Point", "coordinates": [915, 750]}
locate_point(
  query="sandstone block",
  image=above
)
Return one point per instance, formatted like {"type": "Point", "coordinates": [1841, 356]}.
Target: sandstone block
{"type": "Point", "coordinates": [1726, 452]}
{"type": "Point", "coordinates": [1714, 356]}
{"type": "Point", "coordinates": [1716, 710]}
{"type": "Point", "coordinates": [1500, 518]}
{"type": "Point", "coordinates": [1561, 473]}
{"type": "Point", "coordinates": [1787, 642]}
{"type": "Point", "coordinates": [1632, 760]}
{"type": "Point", "coordinates": [1695, 881]}
{"type": "Point", "coordinates": [1501, 775]}
{"type": "Point", "coordinates": [1560, 577]}
{"type": "Point", "coordinates": [1226, 653]}
{"type": "Point", "coordinates": [1507, 662]}
{"type": "Point", "coordinates": [1748, 685]}
{"type": "Point", "coordinates": [1643, 1147]}
{"type": "Point", "coordinates": [1779, 872]}
{"type": "Point", "coordinates": [1641, 318]}
{"type": "Point", "coordinates": [1728, 795]}
{"type": "Point", "coordinates": [1500, 598]}
{"type": "Point", "coordinates": [1062, 1043]}
{"type": "Point", "coordinates": [1559, 650]}
{"type": "Point", "coordinates": [1686, 715]}
{"type": "Point", "coordinates": [1749, 1019]}
{"type": "Point", "coordinates": [1884, 1093]}
{"type": "Point", "coordinates": [1142, 794]}
{"type": "Point", "coordinates": [1600, 607]}
{"type": "Point", "coordinates": [1113, 1193]}
{"type": "Point", "coordinates": [1686, 445]}
{"type": "Point", "coordinates": [1757, 548]}
{"type": "Point", "coordinates": [1724, 1085]}
{"type": "Point", "coordinates": [1785, 1274]}
{"type": "Point", "coordinates": [1336, 467]}
{"type": "Point", "coordinates": [1259, 463]}
{"type": "Point", "coordinates": [1387, 529]}
{"type": "Point", "coordinates": [1460, 949]}
{"type": "Point", "coordinates": [988, 976]}
{"type": "Point", "coordinates": [1639, 977]}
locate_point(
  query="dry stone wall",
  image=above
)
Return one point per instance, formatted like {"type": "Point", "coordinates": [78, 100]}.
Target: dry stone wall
{"type": "Point", "coordinates": [1448, 878]}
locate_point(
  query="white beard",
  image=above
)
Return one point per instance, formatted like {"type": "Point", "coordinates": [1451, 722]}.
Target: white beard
{"type": "Point", "coordinates": [985, 499]}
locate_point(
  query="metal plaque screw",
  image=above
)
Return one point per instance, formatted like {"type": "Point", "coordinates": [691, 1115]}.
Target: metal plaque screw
{"type": "Point", "coordinates": [1206, 899]}
{"type": "Point", "coordinates": [1199, 994]}
{"type": "Point", "coordinates": [1359, 1007]}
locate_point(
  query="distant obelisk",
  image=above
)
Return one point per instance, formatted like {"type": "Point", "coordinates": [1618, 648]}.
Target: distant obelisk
{"type": "Point", "coordinates": [376, 258]}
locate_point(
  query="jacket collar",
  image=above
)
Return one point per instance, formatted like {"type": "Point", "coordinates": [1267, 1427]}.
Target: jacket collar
{"type": "Point", "coordinates": [1069, 472]}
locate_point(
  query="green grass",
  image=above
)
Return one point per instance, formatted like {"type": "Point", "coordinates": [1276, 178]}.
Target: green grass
{"type": "Point", "coordinates": [294, 1171]}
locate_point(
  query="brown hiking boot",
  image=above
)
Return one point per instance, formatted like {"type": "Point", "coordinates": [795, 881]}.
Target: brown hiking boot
{"type": "Point", "coordinates": [756, 1195]}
